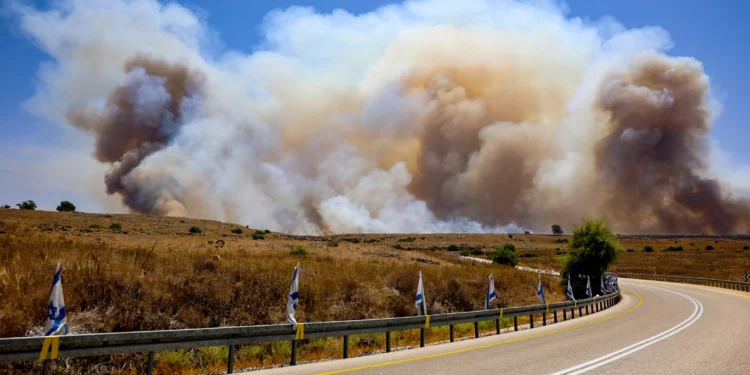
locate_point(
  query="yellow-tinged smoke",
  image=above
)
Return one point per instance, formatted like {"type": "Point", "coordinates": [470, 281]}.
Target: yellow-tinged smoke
{"type": "Point", "coordinates": [429, 116]}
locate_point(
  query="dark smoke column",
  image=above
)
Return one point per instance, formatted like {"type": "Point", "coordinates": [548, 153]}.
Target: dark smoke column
{"type": "Point", "coordinates": [140, 118]}
{"type": "Point", "coordinates": [654, 155]}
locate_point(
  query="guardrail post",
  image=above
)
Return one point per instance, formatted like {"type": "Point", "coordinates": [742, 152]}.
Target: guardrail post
{"type": "Point", "coordinates": [346, 347]}
{"type": "Point", "coordinates": [572, 313]}
{"type": "Point", "coordinates": [453, 332]}
{"type": "Point", "coordinates": [497, 326]}
{"type": "Point", "coordinates": [294, 353]}
{"type": "Point", "coordinates": [388, 342]}
{"type": "Point", "coordinates": [587, 310]}
{"type": "Point", "coordinates": [515, 323]}
{"type": "Point", "coordinates": [150, 365]}
{"type": "Point", "coordinates": [421, 337]}
{"type": "Point", "coordinates": [554, 313]}
{"type": "Point", "coordinates": [565, 315]}
{"type": "Point", "coordinates": [580, 311]}
{"type": "Point", "coordinates": [476, 329]}
{"type": "Point", "coordinates": [531, 320]}
{"type": "Point", "coordinates": [544, 319]}
{"type": "Point", "coordinates": [45, 366]}
{"type": "Point", "coordinates": [230, 361]}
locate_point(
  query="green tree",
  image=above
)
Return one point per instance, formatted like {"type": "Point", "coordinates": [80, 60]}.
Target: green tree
{"type": "Point", "coordinates": [66, 206]}
{"type": "Point", "coordinates": [590, 252]}
{"type": "Point", "coordinates": [509, 247]}
{"type": "Point", "coordinates": [28, 205]}
{"type": "Point", "coordinates": [6, 206]}
{"type": "Point", "coordinates": [505, 255]}
{"type": "Point", "coordinates": [557, 230]}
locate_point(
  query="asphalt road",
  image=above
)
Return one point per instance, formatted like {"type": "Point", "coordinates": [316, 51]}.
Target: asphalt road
{"type": "Point", "coordinates": [658, 328]}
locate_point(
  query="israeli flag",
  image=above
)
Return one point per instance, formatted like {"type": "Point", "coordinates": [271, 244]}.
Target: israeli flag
{"type": "Point", "coordinates": [491, 294]}
{"type": "Point", "coordinates": [420, 303]}
{"type": "Point", "coordinates": [604, 290]}
{"type": "Point", "coordinates": [570, 291]}
{"type": "Point", "coordinates": [57, 318]}
{"type": "Point", "coordinates": [617, 285]}
{"type": "Point", "coordinates": [291, 303]}
{"type": "Point", "coordinates": [588, 287]}
{"type": "Point", "coordinates": [540, 293]}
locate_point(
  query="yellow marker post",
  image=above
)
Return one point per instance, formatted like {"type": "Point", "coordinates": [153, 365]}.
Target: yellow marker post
{"type": "Point", "coordinates": [300, 335]}
{"type": "Point", "coordinates": [426, 321]}
{"type": "Point", "coordinates": [53, 343]}
{"type": "Point", "coordinates": [501, 315]}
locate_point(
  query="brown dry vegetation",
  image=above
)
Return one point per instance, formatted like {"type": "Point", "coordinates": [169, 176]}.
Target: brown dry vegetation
{"type": "Point", "coordinates": [728, 260]}
{"type": "Point", "coordinates": [153, 274]}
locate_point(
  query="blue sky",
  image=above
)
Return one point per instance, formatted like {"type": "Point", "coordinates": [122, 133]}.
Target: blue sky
{"type": "Point", "coordinates": [714, 32]}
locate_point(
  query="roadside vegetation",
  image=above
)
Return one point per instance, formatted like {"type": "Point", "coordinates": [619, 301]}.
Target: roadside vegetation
{"type": "Point", "coordinates": [133, 272]}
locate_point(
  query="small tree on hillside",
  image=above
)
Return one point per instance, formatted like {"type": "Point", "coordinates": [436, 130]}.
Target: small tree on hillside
{"type": "Point", "coordinates": [6, 206]}
{"type": "Point", "coordinates": [557, 230]}
{"type": "Point", "coordinates": [590, 252]}
{"type": "Point", "coordinates": [28, 205]}
{"type": "Point", "coordinates": [66, 206]}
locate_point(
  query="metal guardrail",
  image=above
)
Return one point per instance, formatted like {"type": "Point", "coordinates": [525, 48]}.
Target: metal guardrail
{"type": "Point", "coordinates": [28, 348]}
{"type": "Point", "coordinates": [726, 284]}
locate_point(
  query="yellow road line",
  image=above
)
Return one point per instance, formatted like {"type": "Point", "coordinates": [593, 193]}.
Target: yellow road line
{"type": "Point", "coordinates": [640, 302]}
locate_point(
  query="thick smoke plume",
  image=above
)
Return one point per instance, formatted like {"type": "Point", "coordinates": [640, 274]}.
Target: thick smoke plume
{"type": "Point", "coordinates": [428, 116]}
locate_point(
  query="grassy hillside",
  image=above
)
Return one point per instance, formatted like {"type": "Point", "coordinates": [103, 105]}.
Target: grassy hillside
{"type": "Point", "coordinates": [138, 272]}
{"type": "Point", "coordinates": [149, 273]}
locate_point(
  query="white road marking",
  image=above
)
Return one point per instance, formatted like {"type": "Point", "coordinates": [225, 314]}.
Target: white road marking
{"type": "Point", "coordinates": [611, 357]}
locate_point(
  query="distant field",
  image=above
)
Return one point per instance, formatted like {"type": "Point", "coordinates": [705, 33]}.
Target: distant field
{"type": "Point", "coordinates": [727, 260]}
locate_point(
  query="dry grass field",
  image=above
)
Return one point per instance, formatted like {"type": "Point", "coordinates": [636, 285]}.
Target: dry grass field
{"type": "Point", "coordinates": [137, 272]}
{"type": "Point", "coordinates": [150, 272]}
{"type": "Point", "coordinates": [727, 257]}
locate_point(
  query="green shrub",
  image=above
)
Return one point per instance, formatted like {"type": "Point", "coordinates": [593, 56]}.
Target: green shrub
{"type": "Point", "coordinates": [452, 248]}
{"type": "Point", "coordinates": [333, 244]}
{"type": "Point", "coordinates": [557, 230]}
{"type": "Point", "coordinates": [591, 250]}
{"type": "Point", "coordinates": [709, 247]}
{"type": "Point", "coordinates": [674, 248]}
{"type": "Point", "coordinates": [237, 230]}
{"type": "Point", "coordinates": [745, 247]}
{"type": "Point", "coordinates": [398, 247]}
{"type": "Point", "coordinates": [465, 252]}
{"type": "Point", "coordinates": [631, 250]}
{"type": "Point", "coordinates": [648, 249]}
{"type": "Point", "coordinates": [529, 255]}
{"type": "Point", "coordinates": [27, 205]}
{"type": "Point", "coordinates": [407, 239]}
{"type": "Point", "coordinates": [115, 226]}
{"type": "Point", "coordinates": [66, 206]}
{"type": "Point", "coordinates": [212, 355]}
{"type": "Point", "coordinates": [95, 226]}
{"type": "Point", "coordinates": [195, 230]}
{"type": "Point", "coordinates": [510, 235]}
{"type": "Point", "coordinates": [266, 231]}
{"type": "Point", "coordinates": [299, 250]}
{"type": "Point", "coordinates": [477, 252]}
{"type": "Point", "coordinates": [504, 256]}
{"type": "Point", "coordinates": [259, 235]}
{"type": "Point", "coordinates": [5, 206]}
{"type": "Point", "coordinates": [509, 247]}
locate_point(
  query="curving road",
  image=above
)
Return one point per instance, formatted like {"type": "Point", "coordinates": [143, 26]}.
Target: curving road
{"type": "Point", "coordinates": [658, 328]}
